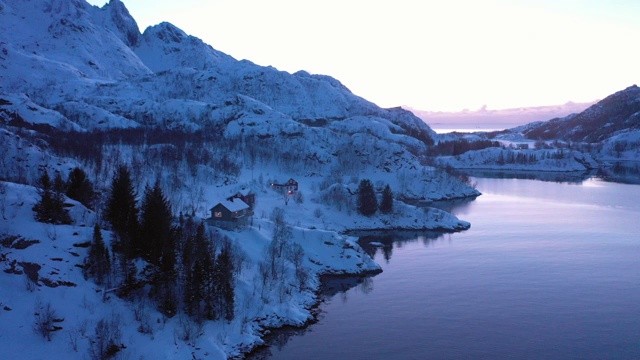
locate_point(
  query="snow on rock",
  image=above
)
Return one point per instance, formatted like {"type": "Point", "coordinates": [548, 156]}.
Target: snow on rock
{"type": "Point", "coordinates": [57, 46]}
{"type": "Point", "coordinates": [381, 128]}
{"type": "Point", "coordinates": [256, 119]}
{"type": "Point", "coordinates": [18, 108]}
{"type": "Point", "coordinates": [93, 118]}
{"type": "Point", "coordinates": [623, 146]}
{"type": "Point", "coordinates": [115, 16]}
{"type": "Point", "coordinates": [23, 161]}
{"type": "Point", "coordinates": [165, 47]}
{"type": "Point", "coordinates": [526, 159]}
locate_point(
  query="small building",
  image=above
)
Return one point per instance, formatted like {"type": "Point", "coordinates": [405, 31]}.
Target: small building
{"type": "Point", "coordinates": [245, 195]}
{"type": "Point", "coordinates": [289, 187]}
{"type": "Point", "coordinates": [230, 214]}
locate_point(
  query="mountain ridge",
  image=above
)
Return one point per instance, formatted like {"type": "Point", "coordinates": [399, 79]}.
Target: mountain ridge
{"type": "Point", "coordinates": [498, 118]}
{"type": "Point", "coordinates": [616, 112]}
{"type": "Point", "coordinates": [161, 48]}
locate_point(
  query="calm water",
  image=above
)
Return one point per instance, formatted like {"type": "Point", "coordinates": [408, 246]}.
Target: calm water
{"type": "Point", "coordinates": [547, 271]}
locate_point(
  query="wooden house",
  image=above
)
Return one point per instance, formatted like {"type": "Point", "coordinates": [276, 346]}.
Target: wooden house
{"type": "Point", "coordinates": [290, 187]}
{"type": "Point", "coordinates": [245, 195]}
{"type": "Point", "coordinates": [230, 214]}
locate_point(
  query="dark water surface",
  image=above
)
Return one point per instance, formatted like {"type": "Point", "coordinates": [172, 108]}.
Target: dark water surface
{"type": "Point", "coordinates": [548, 270]}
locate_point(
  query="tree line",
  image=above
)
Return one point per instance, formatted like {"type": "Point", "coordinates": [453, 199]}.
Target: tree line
{"type": "Point", "coordinates": [188, 269]}
{"type": "Point", "coordinates": [459, 146]}
{"type": "Point", "coordinates": [51, 207]}
{"type": "Point", "coordinates": [368, 200]}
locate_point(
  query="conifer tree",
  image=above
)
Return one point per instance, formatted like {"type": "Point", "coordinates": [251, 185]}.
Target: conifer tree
{"type": "Point", "coordinates": [98, 260]}
{"type": "Point", "coordinates": [157, 244]}
{"type": "Point", "coordinates": [367, 201]}
{"type": "Point", "coordinates": [386, 205]}
{"type": "Point", "coordinates": [122, 212]}
{"type": "Point", "coordinates": [198, 264]}
{"type": "Point", "coordinates": [59, 185]}
{"type": "Point", "coordinates": [50, 208]}
{"type": "Point", "coordinates": [205, 286]}
{"type": "Point", "coordinates": [156, 240]}
{"type": "Point", "coordinates": [190, 295]}
{"type": "Point", "coordinates": [224, 283]}
{"type": "Point", "coordinates": [79, 187]}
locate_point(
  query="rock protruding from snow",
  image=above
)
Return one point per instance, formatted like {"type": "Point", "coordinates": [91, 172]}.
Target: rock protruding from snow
{"type": "Point", "coordinates": [58, 48]}
{"type": "Point", "coordinates": [164, 47]}
{"type": "Point", "coordinates": [121, 22]}
{"type": "Point", "coordinates": [19, 110]}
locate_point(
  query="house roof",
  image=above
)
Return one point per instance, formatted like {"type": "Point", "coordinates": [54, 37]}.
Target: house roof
{"type": "Point", "coordinates": [244, 192]}
{"type": "Point", "coordinates": [288, 183]}
{"type": "Point", "coordinates": [235, 205]}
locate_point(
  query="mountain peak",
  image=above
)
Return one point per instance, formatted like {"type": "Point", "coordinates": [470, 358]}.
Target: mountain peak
{"type": "Point", "coordinates": [166, 32]}
{"type": "Point", "coordinates": [165, 46]}
{"type": "Point", "coordinates": [124, 23]}
{"type": "Point", "coordinates": [73, 8]}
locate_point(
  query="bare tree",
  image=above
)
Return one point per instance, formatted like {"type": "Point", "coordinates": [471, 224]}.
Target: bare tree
{"type": "Point", "coordinates": [104, 344]}
{"type": "Point", "coordinates": [45, 316]}
{"type": "Point", "coordinates": [296, 256]}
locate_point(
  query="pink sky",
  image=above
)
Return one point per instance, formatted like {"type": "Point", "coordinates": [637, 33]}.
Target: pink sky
{"type": "Point", "coordinates": [431, 55]}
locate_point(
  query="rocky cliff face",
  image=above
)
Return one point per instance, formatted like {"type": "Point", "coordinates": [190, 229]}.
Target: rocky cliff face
{"type": "Point", "coordinates": [61, 52]}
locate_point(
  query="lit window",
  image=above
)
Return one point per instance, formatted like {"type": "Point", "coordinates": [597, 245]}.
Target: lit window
{"type": "Point", "coordinates": [217, 214]}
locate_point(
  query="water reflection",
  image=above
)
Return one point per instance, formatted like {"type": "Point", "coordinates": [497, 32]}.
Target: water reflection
{"type": "Point", "coordinates": [623, 172]}
{"type": "Point", "coordinates": [374, 242]}
{"type": "Point", "coordinates": [626, 172]}
{"type": "Point", "coordinates": [333, 287]}
{"type": "Point", "coordinates": [545, 272]}
{"type": "Point", "coordinates": [572, 177]}
{"type": "Point", "coordinates": [455, 207]}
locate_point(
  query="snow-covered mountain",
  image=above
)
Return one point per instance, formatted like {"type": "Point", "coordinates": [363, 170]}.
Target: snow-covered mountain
{"type": "Point", "coordinates": [619, 112]}
{"type": "Point", "coordinates": [608, 131]}
{"type": "Point", "coordinates": [81, 87]}
{"type": "Point", "coordinates": [68, 51]}
{"type": "Point", "coordinates": [77, 67]}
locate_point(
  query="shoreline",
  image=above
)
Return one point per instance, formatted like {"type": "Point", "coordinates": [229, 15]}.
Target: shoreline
{"type": "Point", "coordinates": [268, 335]}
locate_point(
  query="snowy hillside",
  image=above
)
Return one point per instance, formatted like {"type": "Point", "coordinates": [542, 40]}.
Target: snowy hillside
{"type": "Point", "coordinates": [619, 111]}
{"type": "Point", "coordinates": [605, 133]}
{"type": "Point", "coordinates": [524, 159]}
{"type": "Point", "coordinates": [117, 78]}
{"type": "Point", "coordinates": [86, 97]}
{"type": "Point", "coordinates": [43, 272]}
{"type": "Point", "coordinates": [64, 42]}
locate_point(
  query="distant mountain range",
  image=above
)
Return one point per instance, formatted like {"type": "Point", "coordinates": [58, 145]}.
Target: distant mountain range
{"type": "Point", "coordinates": [614, 114]}
{"type": "Point", "coordinates": [496, 119]}
{"type": "Point", "coordinates": [607, 132]}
